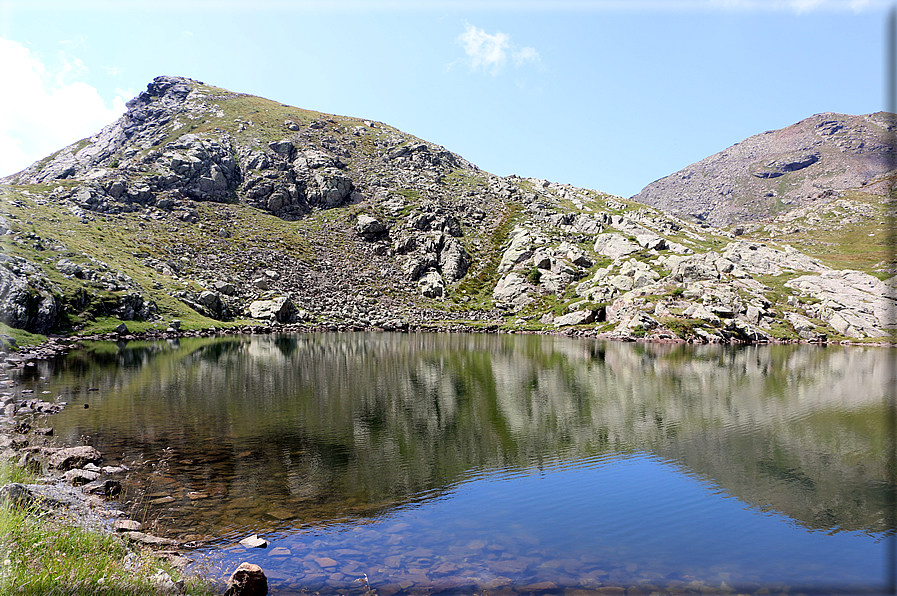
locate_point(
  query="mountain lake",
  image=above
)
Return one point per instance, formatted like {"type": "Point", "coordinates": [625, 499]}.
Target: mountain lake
{"type": "Point", "coordinates": [499, 464]}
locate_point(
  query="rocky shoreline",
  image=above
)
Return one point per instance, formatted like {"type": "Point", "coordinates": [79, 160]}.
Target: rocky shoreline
{"type": "Point", "coordinates": [74, 486]}
{"type": "Point", "coordinates": [57, 346]}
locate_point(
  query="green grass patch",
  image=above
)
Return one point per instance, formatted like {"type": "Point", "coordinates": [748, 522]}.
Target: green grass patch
{"type": "Point", "coordinates": [41, 554]}
{"type": "Point", "coordinates": [478, 284]}
{"type": "Point", "coordinates": [22, 338]}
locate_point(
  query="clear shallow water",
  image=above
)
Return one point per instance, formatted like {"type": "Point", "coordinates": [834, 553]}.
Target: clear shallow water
{"type": "Point", "coordinates": [510, 464]}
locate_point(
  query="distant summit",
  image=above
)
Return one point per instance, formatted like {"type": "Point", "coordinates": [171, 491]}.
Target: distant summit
{"type": "Point", "coordinates": [811, 162]}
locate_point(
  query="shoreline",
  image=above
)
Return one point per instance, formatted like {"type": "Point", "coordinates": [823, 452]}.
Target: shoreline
{"type": "Point", "coordinates": [57, 345]}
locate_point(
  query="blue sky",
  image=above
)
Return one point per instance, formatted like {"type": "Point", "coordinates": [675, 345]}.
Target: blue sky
{"type": "Point", "coordinates": [604, 94]}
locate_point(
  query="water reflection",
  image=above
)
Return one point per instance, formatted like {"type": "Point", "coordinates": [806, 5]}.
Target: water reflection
{"type": "Point", "coordinates": [293, 434]}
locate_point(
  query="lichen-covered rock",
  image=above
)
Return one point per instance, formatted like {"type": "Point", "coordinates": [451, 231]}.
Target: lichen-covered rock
{"type": "Point", "coordinates": [577, 317]}
{"type": "Point", "coordinates": [453, 259]}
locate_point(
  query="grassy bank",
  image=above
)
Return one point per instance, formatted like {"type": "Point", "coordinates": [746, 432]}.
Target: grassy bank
{"type": "Point", "coordinates": [41, 554]}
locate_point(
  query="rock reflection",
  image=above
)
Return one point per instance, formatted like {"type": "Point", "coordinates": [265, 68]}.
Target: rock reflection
{"type": "Point", "coordinates": [300, 430]}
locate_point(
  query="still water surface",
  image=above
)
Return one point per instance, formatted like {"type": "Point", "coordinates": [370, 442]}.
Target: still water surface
{"type": "Point", "coordinates": [444, 464]}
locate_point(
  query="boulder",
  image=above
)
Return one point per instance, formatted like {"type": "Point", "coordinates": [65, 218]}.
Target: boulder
{"type": "Point", "coordinates": [213, 305]}
{"type": "Point", "coordinates": [693, 268]}
{"type": "Point", "coordinates": [77, 476]}
{"type": "Point", "coordinates": [418, 265]}
{"type": "Point", "coordinates": [127, 525]}
{"type": "Point", "coordinates": [74, 457]}
{"type": "Point", "coordinates": [27, 299]}
{"type": "Point", "coordinates": [855, 304]}
{"type": "Point", "coordinates": [520, 249]}
{"type": "Point", "coordinates": [453, 259]}
{"type": "Point", "coordinates": [512, 291]}
{"type": "Point", "coordinates": [759, 259]}
{"type": "Point", "coordinates": [432, 285]}
{"type": "Point", "coordinates": [67, 267]}
{"type": "Point", "coordinates": [224, 287]}
{"type": "Point", "coordinates": [108, 487]}
{"type": "Point", "coordinates": [578, 317]}
{"type": "Point", "coordinates": [280, 309]}
{"type": "Point", "coordinates": [369, 227]}
{"type": "Point", "coordinates": [17, 495]}
{"type": "Point", "coordinates": [247, 580]}
{"type": "Point", "coordinates": [615, 245]}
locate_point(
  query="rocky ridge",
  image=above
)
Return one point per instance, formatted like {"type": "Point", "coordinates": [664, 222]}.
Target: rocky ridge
{"type": "Point", "coordinates": [205, 208]}
{"type": "Point", "coordinates": [811, 162]}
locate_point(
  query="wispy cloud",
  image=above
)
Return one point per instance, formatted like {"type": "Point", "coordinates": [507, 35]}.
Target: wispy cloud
{"type": "Point", "coordinates": [48, 108]}
{"type": "Point", "coordinates": [490, 52]}
{"type": "Point", "coordinates": [796, 6]}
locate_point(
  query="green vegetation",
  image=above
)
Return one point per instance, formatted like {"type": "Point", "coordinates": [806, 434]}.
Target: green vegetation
{"type": "Point", "coordinates": [478, 284]}
{"type": "Point", "coordinates": [45, 555]}
{"type": "Point", "coordinates": [22, 338]}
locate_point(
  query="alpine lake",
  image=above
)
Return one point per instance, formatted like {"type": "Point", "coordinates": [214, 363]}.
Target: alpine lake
{"type": "Point", "coordinates": [498, 464]}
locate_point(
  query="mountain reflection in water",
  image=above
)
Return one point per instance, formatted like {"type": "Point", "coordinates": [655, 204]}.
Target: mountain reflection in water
{"type": "Point", "coordinates": [569, 462]}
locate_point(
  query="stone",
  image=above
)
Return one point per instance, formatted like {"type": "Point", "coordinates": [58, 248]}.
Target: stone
{"type": "Point", "coordinates": [693, 268]}
{"type": "Point", "coordinates": [164, 584]}
{"type": "Point", "coordinates": [520, 249]}
{"type": "Point", "coordinates": [369, 227]}
{"type": "Point", "coordinates": [69, 268]}
{"type": "Point", "coordinates": [418, 265]}
{"type": "Point", "coordinates": [74, 457]}
{"type": "Point", "coordinates": [280, 309]}
{"type": "Point", "coordinates": [127, 525]}
{"type": "Point", "coordinates": [615, 245]}
{"type": "Point", "coordinates": [16, 495]}
{"type": "Point", "coordinates": [247, 579]}
{"type": "Point", "coordinates": [578, 317]}
{"type": "Point", "coordinates": [223, 287]}
{"type": "Point", "coordinates": [254, 542]}
{"type": "Point", "coordinates": [108, 487]}
{"type": "Point", "coordinates": [149, 539]}
{"type": "Point", "coordinates": [77, 477]}
{"type": "Point", "coordinates": [453, 259]}
{"type": "Point", "coordinates": [512, 291]}
{"type": "Point", "coordinates": [213, 306]}
{"type": "Point", "coordinates": [283, 147]}
{"type": "Point", "coordinates": [432, 285]}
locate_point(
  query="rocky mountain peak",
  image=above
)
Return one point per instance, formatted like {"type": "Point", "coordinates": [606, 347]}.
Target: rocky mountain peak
{"type": "Point", "coordinates": [208, 208]}
{"type": "Point", "coordinates": [811, 162]}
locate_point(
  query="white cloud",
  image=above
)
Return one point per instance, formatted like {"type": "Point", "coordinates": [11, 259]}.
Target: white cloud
{"type": "Point", "coordinates": [805, 5]}
{"type": "Point", "coordinates": [490, 52]}
{"type": "Point", "coordinates": [45, 109]}
{"type": "Point", "coordinates": [525, 55]}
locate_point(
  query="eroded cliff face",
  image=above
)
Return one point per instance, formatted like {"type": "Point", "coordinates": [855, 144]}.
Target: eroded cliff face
{"type": "Point", "coordinates": [809, 163]}
{"type": "Point", "coordinates": [216, 208]}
